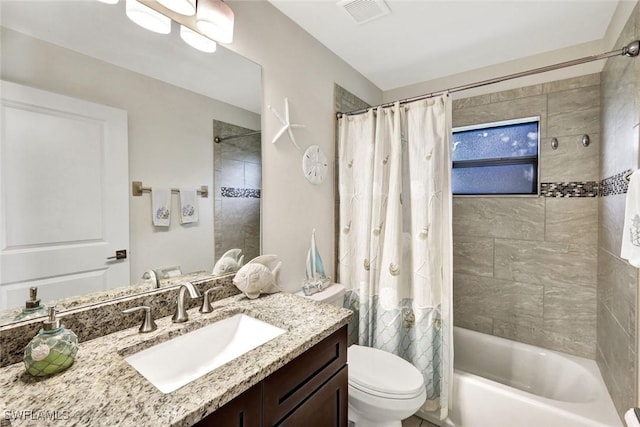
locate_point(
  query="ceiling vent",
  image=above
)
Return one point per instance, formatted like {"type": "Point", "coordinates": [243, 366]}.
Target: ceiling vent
{"type": "Point", "coordinates": [365, 10]}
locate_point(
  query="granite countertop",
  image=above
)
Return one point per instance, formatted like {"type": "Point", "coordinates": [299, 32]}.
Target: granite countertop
{"type": "Point", "coordinates": [101, 388]}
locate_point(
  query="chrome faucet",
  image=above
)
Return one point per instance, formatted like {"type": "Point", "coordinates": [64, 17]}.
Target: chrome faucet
{"type": "Point", "coordinates": [181, 314]}
{"type": "Point", "coordinates": [152, 275]}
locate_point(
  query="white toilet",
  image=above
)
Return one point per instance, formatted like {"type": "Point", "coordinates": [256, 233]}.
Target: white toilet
{"type": "Point", "coordinates": [384, 389]}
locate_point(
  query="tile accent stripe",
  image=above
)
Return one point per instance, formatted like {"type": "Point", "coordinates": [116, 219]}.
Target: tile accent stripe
{"type": "Point", "coordinates": [614, 185]}
{"type": "Point", "coordinates": [610, 186]}
{"type": "Point", "coordinates": [251, 193]}
{"type": "Point", "coordinates": [569, 189]}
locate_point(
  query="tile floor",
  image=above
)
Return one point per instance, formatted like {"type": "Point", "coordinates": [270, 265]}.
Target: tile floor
{"type": "Point", "coordinates": [416, 422]}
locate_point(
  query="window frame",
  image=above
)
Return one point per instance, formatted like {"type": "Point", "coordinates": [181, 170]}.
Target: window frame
{"type": "Point", "coordinates": [503, 160]}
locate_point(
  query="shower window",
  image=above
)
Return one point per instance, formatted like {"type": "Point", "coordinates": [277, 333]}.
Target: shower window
{"type": "Point", "coordinates": [499, 158]}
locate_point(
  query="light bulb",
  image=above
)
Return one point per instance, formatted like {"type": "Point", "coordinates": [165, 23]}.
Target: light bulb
{"type": "Point", "coordinates": [148, 18]}
{"type": "Point", "coordinates": [183, 7]}
{"type": "Point", "coordinates": [197, 41]}
{"type": "Point", "coordinates": [215, 19]}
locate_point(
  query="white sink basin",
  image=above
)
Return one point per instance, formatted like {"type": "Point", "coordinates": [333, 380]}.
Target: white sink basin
{"type": "Point", "coordinates": [174, 363]}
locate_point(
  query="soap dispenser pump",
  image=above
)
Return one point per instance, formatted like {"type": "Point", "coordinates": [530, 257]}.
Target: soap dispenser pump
{"type": "Point", "coordinates": [33, 307]}
{"type": "Point", "coordinates": [52, 350]}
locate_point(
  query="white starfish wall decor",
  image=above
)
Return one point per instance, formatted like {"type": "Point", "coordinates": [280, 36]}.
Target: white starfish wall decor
{"type": "Point", "coordinates": [286, 124]}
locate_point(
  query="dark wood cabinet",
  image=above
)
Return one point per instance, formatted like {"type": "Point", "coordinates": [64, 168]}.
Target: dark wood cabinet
{"type": "Point", "coordinates": [311, 390]}
{"type": "Point", "coordinates": [327, 407]}
{"type": "Point", "coordinates": [243, 411]}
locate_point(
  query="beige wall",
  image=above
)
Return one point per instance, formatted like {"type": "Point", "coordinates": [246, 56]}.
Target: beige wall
{"type": "Point", "coordinates": [296, 66]}
{"type": "Point", "coordinates": [617, 339]}
{"type": "Point", "coordinates": [525, 267]}
{"type": "Point", "coordinates": [170, 134]}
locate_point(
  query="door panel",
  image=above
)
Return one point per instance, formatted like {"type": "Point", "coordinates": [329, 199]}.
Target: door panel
{"type": "Point", "coordinates": [64, 205]}
{"type": "Point", "coordinates": [60, 286]}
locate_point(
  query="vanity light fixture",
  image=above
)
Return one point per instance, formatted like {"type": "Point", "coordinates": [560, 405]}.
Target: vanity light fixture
{"type": "Point", "coordinates": [148, 18]}
{"type": "Point", "coordinates": [215, 19]}
{"type": "Point", "coordinates": [197, 41]}
{"type": "Point", "coordinates": [202, 24]}
{"type": "Point", "coordinates": [183, 7]}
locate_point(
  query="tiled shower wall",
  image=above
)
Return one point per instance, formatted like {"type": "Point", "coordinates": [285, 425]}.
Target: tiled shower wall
{"type": "Point", "coordinates": [617, 280]}
{"type": "Point", "coordinates": [237, 182]}
{"type": "Point", "coordinates": [525, 267]}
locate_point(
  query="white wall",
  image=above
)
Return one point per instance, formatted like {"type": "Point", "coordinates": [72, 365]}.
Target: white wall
{"type": "Point", "coordinates": [170, 140]}
{"type": "Point", "coordinates": [296, 66]}
{"type": "Point", "coordinates": [621, 15]}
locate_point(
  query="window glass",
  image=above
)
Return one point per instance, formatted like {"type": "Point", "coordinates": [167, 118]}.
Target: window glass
{"type": "Point", "coordinates": [496, 158]}
{"type": "Point", "coordinates": [509, 179]}
{"type": "Point", "coordinates": [508, 141]}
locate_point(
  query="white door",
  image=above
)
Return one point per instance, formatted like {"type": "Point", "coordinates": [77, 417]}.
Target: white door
{"type": "Point", "coordinates": [64, 205]}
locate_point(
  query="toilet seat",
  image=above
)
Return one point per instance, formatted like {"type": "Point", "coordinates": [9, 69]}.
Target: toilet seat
{"type": "Point", "coordinates": [382, 374]}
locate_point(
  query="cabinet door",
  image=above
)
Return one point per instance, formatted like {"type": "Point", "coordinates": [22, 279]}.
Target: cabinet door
{"type": "Point", "coordinates": [243, 411]}
{"type": "Point", "coordinates": [327, 407]}
{"type": "Point", "coordinates": [288, 387]}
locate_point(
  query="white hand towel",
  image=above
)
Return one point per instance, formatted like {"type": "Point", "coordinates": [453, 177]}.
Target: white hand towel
{"type": "Point", "coordinates": [631, 231]}
{"type": "Point", "coordinates": [632, 417]}
{"type": "Point", "coordinates": [188, 205]}
{"type": "Point", "coordinates": [161, 206]}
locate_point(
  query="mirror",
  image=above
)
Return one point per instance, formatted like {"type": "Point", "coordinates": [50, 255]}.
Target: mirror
{"type": "Point", "coordinates": [177, 100]}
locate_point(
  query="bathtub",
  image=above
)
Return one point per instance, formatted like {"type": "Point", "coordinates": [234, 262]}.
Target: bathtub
{"type": "Point", "coordinates": [503, 383]}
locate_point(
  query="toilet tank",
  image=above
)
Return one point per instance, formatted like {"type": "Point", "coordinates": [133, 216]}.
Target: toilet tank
{"type": "Point", "coordinates": [333, 295]}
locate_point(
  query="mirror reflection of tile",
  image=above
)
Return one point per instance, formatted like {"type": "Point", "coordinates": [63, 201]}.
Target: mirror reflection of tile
{"type": "Point", "coordinates": [238, 175]}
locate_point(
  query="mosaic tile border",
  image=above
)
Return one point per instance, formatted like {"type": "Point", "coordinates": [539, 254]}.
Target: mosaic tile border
{"type": "Point", "coordinates": [615, 184]}
{"type": "Point", "coordinates": [569, 189]}
{"type": "Point", "coordinates": [250, 193]}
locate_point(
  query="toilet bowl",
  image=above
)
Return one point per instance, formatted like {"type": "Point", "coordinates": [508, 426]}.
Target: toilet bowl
{"type": "Point", "coordinates": [384, 389]}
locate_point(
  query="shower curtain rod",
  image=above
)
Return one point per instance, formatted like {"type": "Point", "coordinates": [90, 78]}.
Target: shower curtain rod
{"type": "Point", "coordinates": [631, 50]}
{"type": "Point", "coordinates": [218, 140]}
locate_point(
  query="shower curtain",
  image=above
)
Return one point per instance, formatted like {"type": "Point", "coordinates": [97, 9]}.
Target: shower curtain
{"type": "Point", "coordinates": [395, 244]}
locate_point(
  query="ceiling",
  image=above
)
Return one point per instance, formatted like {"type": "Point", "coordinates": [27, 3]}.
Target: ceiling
{"type": "Point", "coordinates": [103, 31]}
{"type": "Point", "coordinates": [421, 40]}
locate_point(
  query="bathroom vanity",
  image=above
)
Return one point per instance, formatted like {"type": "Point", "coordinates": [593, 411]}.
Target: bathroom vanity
{"type": "Point", "coordinates": [310, 390]}
{"type": "Point", "coordinates": [298, 378]}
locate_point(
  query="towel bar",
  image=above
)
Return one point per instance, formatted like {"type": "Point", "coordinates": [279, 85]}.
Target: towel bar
{"type": "Point", "coordinates": [137, 189]}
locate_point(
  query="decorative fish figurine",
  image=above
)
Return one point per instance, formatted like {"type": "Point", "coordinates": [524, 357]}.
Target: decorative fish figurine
{"type": "Point", "coordinates": [261, 275]}
{"type": "Point", "coordinates": [229, 262]}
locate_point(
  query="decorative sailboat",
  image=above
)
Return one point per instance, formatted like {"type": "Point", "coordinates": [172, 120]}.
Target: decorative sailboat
{"type": "Point", "coordinates": [315, 278]}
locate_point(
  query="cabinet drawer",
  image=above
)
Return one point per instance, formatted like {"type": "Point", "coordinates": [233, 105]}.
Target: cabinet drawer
{"type": "Point", "coordinates": [326, 408]}
{"type": "Point", "coordinates": [296, 381]}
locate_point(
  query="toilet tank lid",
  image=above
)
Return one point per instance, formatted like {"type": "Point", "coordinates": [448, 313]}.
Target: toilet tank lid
{"type": "Point", "coordinates": [383, 372]}
{"type": "Point", "coordinates": [327, 294]}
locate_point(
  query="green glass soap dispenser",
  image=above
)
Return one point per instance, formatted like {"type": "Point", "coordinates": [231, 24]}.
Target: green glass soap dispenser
{"type": "Point", "coordinates": [52, 350]}
{"type": "Point", "coordinates": [32, 307]}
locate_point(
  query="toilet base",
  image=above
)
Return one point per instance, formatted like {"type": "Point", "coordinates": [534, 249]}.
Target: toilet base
{"type": "Point", "coordinates": [360, 420]}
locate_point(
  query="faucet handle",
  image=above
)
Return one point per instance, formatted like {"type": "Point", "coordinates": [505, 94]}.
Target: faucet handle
{"type": "Point", "coordinates": [148, 324]}
{"type": "Point", "coordinates": [206, 303]}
